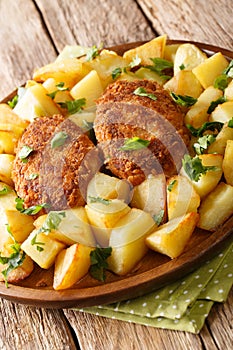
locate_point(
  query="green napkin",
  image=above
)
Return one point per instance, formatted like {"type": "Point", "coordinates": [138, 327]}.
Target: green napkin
{"type": "Point", "coordinates": [183, 305]}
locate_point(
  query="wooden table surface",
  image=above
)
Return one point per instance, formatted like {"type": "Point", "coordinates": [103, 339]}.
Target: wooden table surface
{"type": "Point", "coordinates": [32, 34]}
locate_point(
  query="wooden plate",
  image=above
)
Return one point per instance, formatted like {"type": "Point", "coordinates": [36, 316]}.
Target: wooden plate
{"type": "Point", "coordinates": [153, 272]}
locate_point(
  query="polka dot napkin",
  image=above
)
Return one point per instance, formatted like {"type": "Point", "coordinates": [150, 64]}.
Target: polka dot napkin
{"type": "Point", "coordinates": [183, 305]}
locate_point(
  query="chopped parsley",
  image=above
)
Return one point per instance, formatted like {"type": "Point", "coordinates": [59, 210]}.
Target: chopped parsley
{"type": "Point", "coordinates": [134, 143]}
{"type": "Point", "coordinates": [4, 190]}
{"type": "Point", "coordinates": [203, 143]}
{"type": "Point", "coordinates": [159, 217]}
{"type": "Point", "coordinates": [215, 103]}
{"type": "Point", "coordinates": [13, 261]}
{"type": "Point", "coordinates": [59, 139]}
{"type": "Point", "coordinates": [212, 126]}
{"type": "Point", "coordinates": [60, 87]}
{"type": "Point", "coordinates": [140, 91]}
{"type": "Point", "coordinates": [73, 106]}
{"type": "Point", "coordinates": [135, 62]}
{"type": "Point", "coordinates": [194, 167]}
{"type": "Point", "coordinates": [33, 210]}
{"type": "Point", "coordinates": [12, 103]}
{"type": "Point", "coordinates": [37, 243]}
{"type": "Point", "coordinates": [99, 263]}
{"type": "Point", "coordinates": [183, 100]}
{"type": "Point", "coordinates": [25, 152]}
{"type": "Point", "coordinates": [99, 200]}
{"type": "Point", "coordinates": [221, 82]}
{"type": "Point", "coordinates": [116, 73]}
{"type": "Point", "coordinates": [171, 185]}
{"type": "Point", "coordinates": [182, 66]}
{"type": "Point", "coordinates": [230, 123]}
{"type": "Point", "coordinates": [93, 52]}
{"type": "Point", "coordinates": [159, 66]}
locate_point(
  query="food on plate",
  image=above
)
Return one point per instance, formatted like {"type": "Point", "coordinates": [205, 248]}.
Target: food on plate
{"type": "Point", "coordinates": [106, 156]}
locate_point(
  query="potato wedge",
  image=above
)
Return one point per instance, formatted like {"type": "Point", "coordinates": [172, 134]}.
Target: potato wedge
{"type": "Point", "coordinates": [181, 197]}
{"type": "Point", "coordinates": [216, 208]}
{"type": "Point", "coordinates": [222, 113]}
{"type": "Point", "coordinates": [207, 71]}
{"type": "Point", "coordinates": [184, 83]}
{"type": "Point", "coordinates": [150, 196]}
{"type": "Point", "coordinates": [197, 115]}
{"type": "Point", "coordinates": [6, 164]}
{"type": "Point", "coordinates": [170, 52]}
{"type": "Point", "coordinates": [227, 164]}
{"type": "Point", "coordinates": [108, 187]}
{"type": "Point", "coordinates": [219, 145]}
{"type": "Point", "coordinates": [188, 56]}
{"type": "Point", "coordinates": [42, 249]}
{"type": "Point", "coordinates": [152, 49]}
{"type": "Point", "coordinates": [89, 87]}
{"type": "Point", "coordinates": [9, 136]}
{"type": "Point", "coordinates": [171, 238]}
{"type": "Point", "coordinates": [7, 116]}
{"type": "Point", "coordinates": [72, 51]}
{"type": "Point", "coordinates": [71, 265]}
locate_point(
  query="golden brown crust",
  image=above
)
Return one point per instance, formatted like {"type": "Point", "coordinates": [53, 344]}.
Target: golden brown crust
{"type": "Point", "coordinates": [122, 114]}
{"type": "Point", "coordinates": [63, 172]}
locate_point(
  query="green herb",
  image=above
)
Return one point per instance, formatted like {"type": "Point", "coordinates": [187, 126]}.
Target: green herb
{"type": "Point", "coordinates": [4, 190]}
{"type": "Point", "coordinates": [213, 126]}
{"type": "Point", "coordinates": [13, 261]}
{"type": "Point", "coordinates": [182, 66]}
{"type": "Point", "coordinates": [60, 87]}
{"type": "Point", "coordinates": [24, 153]}
{"type": "Point", "coordinates": [160, 65]}
{"type": "Point", "coordinates": [31, 210]}
{"type": "Point", "coordinates": [221, 82]}
{"type": "Point", "coordinates": [183, 100]}
{"type": "Point", "coordinates": [229, 70]}
{"type": "Point", "coordinates": [140, 91]}
{"type": "Point", "coordinates": [194, 168]}
{"type": "Point", "coordinates": [52, 221]}
{"type": "Point", "coordinates": [99, 263]}
{"type": "Point", "coordinates": [37, 243]}
{"type": "Point", "coordinates": [33, 176]}
{"type": "Point", "coordinates": [171, 185]}
{"type": "Point", "coordinates": [73, 106]}
{"type": "Point", "coordinates": [93, 52]}
{"type": "Point", "coordinates": [59, 139]}
{"type": "Point", "coordinates": [215, 103]}
{"type": "Point", "coordinates": [135, 62]}
{"type": "Point", "coordinates": [116, 72]}
{"type": "Point", "coordinates": [99, 200]}
{"type": "Point", "coordinates": [13, 102]}
{"type": "Point", "coordinates": [159, 217]}
{"type": "Point", "coordinates": [203, 143]}
{"type": "Point", "coordinates": [134, 143]}
{"type": "Point", "coordinates": [230, 123]}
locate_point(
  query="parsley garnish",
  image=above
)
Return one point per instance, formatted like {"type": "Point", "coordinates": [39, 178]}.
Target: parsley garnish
{"type": "Point", "coordinates": [213, 126]}
{"type": "Point", "coordinates": [203, 143]}
{"type": "Point", "coordinates": [13, 261]}
{"type": "Point", "coordinates": [215, 103]}
{"type": "Point", "coordinates": [73, 106]}
{"type": "Point", "coordinates": [116, 72]}
{"type": "Point", "coordinates": [221, 82]}
{"type": "Point", "coordinates": [59, 139]}
{"type": "Point", "coordinates": [159, 217]}
{"type": "Point", "coordinates": [229, 70]}
{"type": "Point", "coordinates": [230, 123]}
{"type": "Point", "coordinates": [99, 200]}
{"type": "Point", "coordinates": [60, 87]}
{"type": "Point", "coordinates": [183, 100]}
{"type": "Point", "coordinates": [13, 102]}
{"type": "Point", "coordinates": [194, 168]}
{"type": "Point", "coordinates": [135, 62]}
{"type": "Point", "coordinates": [24, 153]}
{"type": "Point", "coordinates": [134, 143]}
{"type": "Point", "coordinates": [171, 185]}
{"type": "Point", "coordinates": [33, 210]}
{"type": "Point", "coordinates": [140, 91]}
{"type": "Point", "coordinates": [4, 190]}
{"type": "Point", "coordinates": [160, 65]}
{"type": "Point", "coordinates": [37, 243]}
{"type": "Point", "coordinates": [99, 263]}
{"type": "Point", "coordinates": [93, 52]}
{"type": "Point", "coordinates": [182, 66]}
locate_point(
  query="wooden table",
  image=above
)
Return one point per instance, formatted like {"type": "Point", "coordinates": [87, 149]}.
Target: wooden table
{"type": "Point", "coordinates": [32, 34]}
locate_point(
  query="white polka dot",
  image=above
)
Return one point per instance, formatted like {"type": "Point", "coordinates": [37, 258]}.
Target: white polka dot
{"type": "Point", "coordinates": [200, 285]}
{"type": "Point", "coordinates": [100, 306]}
{"type": "Point", "coordinates": [211, 270]}
{"type": "Point", "coordinates": [177, 316]}
{"type": "Point", "coordinates": [185, 292]}
{"type": "Point", "coordinates": [159, 319]}
{"type": "Point", "coordinates": [220, 291]}
{"type": "Point", "coordinates": [157, 296]}
{"type": "Point", "coordinates": [201, 305]}
{"type": "Point", "coordinates": [216, 281]}
{"type": "Point", "coordinates": [225, 266]}
{"type": "Point", "coordinates": [129, 321]}
{"type": "Point", "coordinates": [148, 314]}
{"type": "Point", "coordinates": [161, 314]}
{"type": "Point", "coordinates": [116, 308]}
{"type": "Point", "coordinates": [144, 304]}
{"type": "Point", "coordinates": [97, 314]}
{"type": "Point", "coordinates": [207, 297]}
{"type": "Point", "coordinates": [174, 306]}
{"type": "Point", "coordinates": [113, 317]}
{"type": "Point", "coordinates": [184, 282]}
{"type": "Point", "coordinates": [205, 315]}
{"type": "Point", "coordinates": [187, 300]}
{"type": "Point", "coordinates": [170, 291]}
{"type": "Point", "coordinates": [81, 310]}
{"type": "Point", "coordinates": [229, 275]}
{"type": "Point", "coordinates": [160, 305]}
{"type": "Point", "coordinates": [176, 321]}
{"type": "Point", "coordinates": [197, 276]}
{"type": "Point", "coordinates": [220, 255]}
{"type": "Point", "coordinates": [132, 311]}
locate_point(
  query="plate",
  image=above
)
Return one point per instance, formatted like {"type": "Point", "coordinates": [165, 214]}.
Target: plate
{"type": "Point", "coordinates": [153, 271]}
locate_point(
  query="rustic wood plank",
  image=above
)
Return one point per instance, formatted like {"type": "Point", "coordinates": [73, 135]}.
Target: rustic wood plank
{"type": "Point", "coordinates": [25, 44]}
{"type": "Point", "coordinates": [26, 328]}
{"type": "Point", "coordinates": [94, 21]}
{"type": "Point", "coordinates": [197, 20]}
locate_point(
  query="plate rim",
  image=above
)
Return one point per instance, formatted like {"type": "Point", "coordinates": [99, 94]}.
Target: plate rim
{"type": "Point", "coordinates": [120, 290]}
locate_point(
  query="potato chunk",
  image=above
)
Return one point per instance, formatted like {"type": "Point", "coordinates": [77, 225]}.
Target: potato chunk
{"type": "Point", "coordinates": [184, 83]}
{"type": "Point", "coordinates": [219, 145]}
{"type": "Point", "coordinates": [189, 56]}
{"type": "Point", "coordinates": [227, 164]}
{"type": "Point", "coordinates": [222, 113]}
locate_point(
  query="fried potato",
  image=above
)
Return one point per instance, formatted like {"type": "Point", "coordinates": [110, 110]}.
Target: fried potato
{"type": "Point", "coordinates": [184, 83]}
{"type": "Point", "coordinates": [228, 92]}
{"type": "Point", "coordinates": [20, 273]}
{"type": "Point", "coordinates": [8, 116]}
{"type": "Point", "coordinates": [171, 238]}
{"type": "Point", "coordinates": [71, 265]}
{"type": "Point", "coordinates": [222, 113]}
{"type": "Point", "coordinates": [59, 95]}
{"type": "Point", "coordinates": [188, 56]}
{"type": "Point", "coordinates": [227, 164]}
{"type": "Point", "coordinates": [9, 136]}
{"type": "Point", "coordinates": [219, 145]}
{"type": "Point", "coordinates": [6, 164]}
{"type": "Point", "coordinates": [216, 208]}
